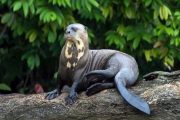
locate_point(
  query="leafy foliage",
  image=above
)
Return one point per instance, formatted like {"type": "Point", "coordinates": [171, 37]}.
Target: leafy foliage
{"type": "Point", "coordinates": [31, 34]}
{"type": "Point", "coordinates": [5, 87]}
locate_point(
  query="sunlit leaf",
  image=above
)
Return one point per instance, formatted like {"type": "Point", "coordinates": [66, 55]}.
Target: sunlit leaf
{"type": "Point", "coordinates": [17, 5]}
{"type": "Point", "coordinates": [94, 3]}
{"type": "Point", "coordinates": [164, 12]}
{"type": "Point", "coordinates": [25, 8]}
{"type": "Point", "coordinates": [148, 55]}
{"type": "Point", "coordinates": [169, 62]}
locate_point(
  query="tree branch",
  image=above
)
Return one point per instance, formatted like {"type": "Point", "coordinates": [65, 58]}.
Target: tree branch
{"type": "Point", "coordinates": [162, 93]}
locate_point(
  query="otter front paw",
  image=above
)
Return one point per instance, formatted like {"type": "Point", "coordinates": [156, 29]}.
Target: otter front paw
{"type": "Point", "coordinates": [71, 99]}
{"type": "Point", "coordinates": [53, 94]}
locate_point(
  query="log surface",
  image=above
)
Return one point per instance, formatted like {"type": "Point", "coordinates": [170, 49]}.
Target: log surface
{"type": "Point", "coordinates": [160, 89]}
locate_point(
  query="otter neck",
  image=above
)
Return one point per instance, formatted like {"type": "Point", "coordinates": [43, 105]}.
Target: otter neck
{"type": "Point", "coordinates": [74, 52]}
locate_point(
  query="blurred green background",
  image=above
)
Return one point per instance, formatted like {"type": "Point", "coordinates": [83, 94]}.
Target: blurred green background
{"type": "Point", "coordinates": [31, 36]}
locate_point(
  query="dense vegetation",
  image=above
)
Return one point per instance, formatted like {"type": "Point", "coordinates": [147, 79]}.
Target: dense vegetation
{"type": "Point", "coordinates": [31, 35]}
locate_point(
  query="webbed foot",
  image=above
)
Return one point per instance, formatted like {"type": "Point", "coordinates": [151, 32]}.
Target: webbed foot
{"type": "Point", "coordinates": [71, 99]}
{"type": "Point", "coordinates": [53, 94]}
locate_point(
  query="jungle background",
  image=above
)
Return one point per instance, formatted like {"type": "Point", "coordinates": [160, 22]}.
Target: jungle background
{"type": "Point", "coordinates": [31, 36]}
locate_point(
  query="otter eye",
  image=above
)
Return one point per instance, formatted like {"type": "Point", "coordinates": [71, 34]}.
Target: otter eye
{"type": "Point", "coordinates": [74, 29]}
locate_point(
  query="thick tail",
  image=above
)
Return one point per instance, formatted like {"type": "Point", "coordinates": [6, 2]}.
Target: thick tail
{"type": "Point", "coordinates": [131, 98]}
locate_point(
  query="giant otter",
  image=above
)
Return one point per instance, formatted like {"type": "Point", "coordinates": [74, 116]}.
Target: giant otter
{"type": "Point", "coordinates": [94, 70]}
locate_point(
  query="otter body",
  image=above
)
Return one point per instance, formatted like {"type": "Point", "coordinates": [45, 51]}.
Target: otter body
{"type": "Point", "coordinates": [95, 70]}
{"type": "Point", "coordinates": [97, 60]}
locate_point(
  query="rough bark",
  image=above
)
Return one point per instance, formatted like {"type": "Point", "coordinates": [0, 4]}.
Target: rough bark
{"type": "Point", "coordinates": [160, 89]}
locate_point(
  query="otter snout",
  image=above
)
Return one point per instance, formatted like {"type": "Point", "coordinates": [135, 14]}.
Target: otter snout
{"type": "Point", "coordinates": [70, 30]}
{"type": "Point", "coordinates": [70, 33]}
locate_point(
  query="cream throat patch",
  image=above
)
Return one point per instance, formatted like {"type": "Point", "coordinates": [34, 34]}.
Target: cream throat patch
{"type": "Point", "coordinates": [73, 52]}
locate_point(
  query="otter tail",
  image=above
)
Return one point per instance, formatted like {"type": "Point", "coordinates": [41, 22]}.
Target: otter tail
{"type": "Point", "coordinates": [131, 98]}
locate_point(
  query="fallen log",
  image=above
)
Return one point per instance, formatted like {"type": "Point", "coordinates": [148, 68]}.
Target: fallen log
{"type": "Point", "coordinates": [160, 89]}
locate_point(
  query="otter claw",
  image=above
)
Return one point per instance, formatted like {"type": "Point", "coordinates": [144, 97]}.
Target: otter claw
{"type": "Point", "coordinates": [51, 95]}
{"type": "Point", "coordinates": [71, 99]}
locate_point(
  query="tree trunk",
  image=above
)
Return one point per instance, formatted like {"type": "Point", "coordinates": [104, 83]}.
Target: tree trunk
{"type": "Point", "coordinates": [160, 89]}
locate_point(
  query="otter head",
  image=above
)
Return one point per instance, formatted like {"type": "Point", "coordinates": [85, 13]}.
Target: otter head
{"type": "Point", "coordinates": [75, 32]}
{"type": "Point", "coordinates": [76, 44]}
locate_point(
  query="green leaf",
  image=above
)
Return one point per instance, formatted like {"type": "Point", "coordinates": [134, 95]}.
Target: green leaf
{"type": "Point", "coordinates": [42, 15]}
{"type": "Point", "coordinates": [113, 38]}
{"type": "Point", "coordinates": [126, 2]}
{"type": "Point", "coordinates": [68, 3]}
{"type": "Point", "coordinates": [121, 30]}
{"type": "Point", "coordinates": [155, 14]}
{"type": "Point", "coordinates": [164, 12]}
{"type": "Point", "coordinates": [31, 62]}
{"type": "Point", "coordinates": [176, 32]}
{"type": "Point", "coordinates": [47, 15]}
{"type": "Point", "coordinates": [131, 35]}
{"type": "Point", "coordinates": [37, 60]}
{"type": "Point", "coordinates": [147, 37]}
{"type": "Point", "coordinates": [147, 2]}
{"type": "Point", "coordinates": [148, 55]}
{"type": "Point", "coordinates": [3, 1]}
{"type": "Point", "coordinates": [52, 37]}
{"type": "Point", "coordinates": [31, 2]}
{"type": "Point", "coordinates": [169, 62]}
{"type": "Point", "coordinates": [136, 42]}
{"type": "Point", "coordinates": [6, 18]}
{"type": "Point", "coordinates": [52, 16]}
{"type": "Point", "coordinates": [26, 55]}
{"type": "Point", "coordinates": [78, 4]}
{"type": "Point", "coordinates": [17, 5]}
{"type": "Point", "coordinates": [32, 36]}
{"type": "Point", "coordinates": [94, 3]}
{"type": "Point", "coordinates": [86, 5]}
{"type": "Point", "coordinates": [175, 41]}
{"type": "Point", "coordinates": [4, 87]}
{"type": "Point", "coordinates": [169, 31]}
{"type": "Point", "coordinates": [130, 12]}
{"type": "Point", "coordinates": [162, 52]}
{"type": "Point", "coordinates": [32, 9]}
{"type": "Point", "coordinates": [177, 13]}
{"type": "Point", "coordinates": [25, 8]}
{"type": "Point", "coordinates": [20, 30]}
{"type": "Point", "coordinates": [107, 11]}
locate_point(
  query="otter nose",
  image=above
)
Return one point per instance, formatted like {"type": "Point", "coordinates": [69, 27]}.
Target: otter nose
{"type": "Point", "coordinates": [68, 31]}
